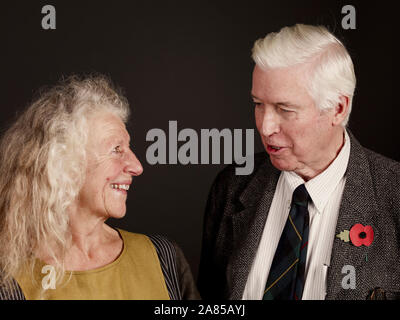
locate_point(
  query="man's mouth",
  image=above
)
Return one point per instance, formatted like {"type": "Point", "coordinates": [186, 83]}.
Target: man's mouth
{"type": "Point", "coordinates": [274, 149]}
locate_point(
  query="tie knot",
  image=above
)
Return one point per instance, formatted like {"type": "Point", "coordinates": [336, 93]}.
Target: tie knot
{"type": "Point", "coordinates": [301, 196]}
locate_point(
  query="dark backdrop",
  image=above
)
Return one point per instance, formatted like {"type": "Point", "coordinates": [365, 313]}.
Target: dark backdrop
{"type": "Point", "coordinates": [188, 61]}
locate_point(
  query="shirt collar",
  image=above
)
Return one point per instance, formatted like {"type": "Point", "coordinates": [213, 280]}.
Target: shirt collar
{"type": "Point", "coordinates": [321, 187]}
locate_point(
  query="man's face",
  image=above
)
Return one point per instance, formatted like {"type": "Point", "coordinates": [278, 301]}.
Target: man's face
{"type": "Point", "coordinates": [295, 133]}
{"type": "Point", "coordinates": [111, 165]}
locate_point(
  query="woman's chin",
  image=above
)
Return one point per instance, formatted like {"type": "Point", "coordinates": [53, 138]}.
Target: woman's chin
{"type": "Point", "coordinates": [117, 216]}
{"type": "Point", "coordinates": [116, 212]}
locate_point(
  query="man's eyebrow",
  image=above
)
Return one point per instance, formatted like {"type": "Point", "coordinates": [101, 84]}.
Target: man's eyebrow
{"type": "Point", "coordinates": [280, 103]}
{"type": "Point", "coordinates": [286, 104]}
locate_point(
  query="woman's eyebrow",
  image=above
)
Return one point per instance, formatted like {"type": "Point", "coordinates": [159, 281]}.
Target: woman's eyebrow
{"type": "Point", "coordinates": [109, 141]}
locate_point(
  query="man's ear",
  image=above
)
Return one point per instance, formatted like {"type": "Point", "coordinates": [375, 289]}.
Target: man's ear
{"type": "Point", "coordinates": [341, 110]}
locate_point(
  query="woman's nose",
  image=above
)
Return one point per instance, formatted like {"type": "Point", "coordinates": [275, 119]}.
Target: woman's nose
{"type": "Point", "coordinates": [133, 165]}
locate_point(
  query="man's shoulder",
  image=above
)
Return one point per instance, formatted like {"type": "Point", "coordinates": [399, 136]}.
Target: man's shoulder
{"type": "Point", "coordinates": [228, 176]}
{"type": "Point", "coordinates": [261, 160]}
{"type": "Point", "coordinates": [382, 164]}
{"type": "Point", "coordinates": [385, 172]}
{"type": "Point", "coordinates": [228, 187]}
{"type": "Point", "coordinates": [385, 176]}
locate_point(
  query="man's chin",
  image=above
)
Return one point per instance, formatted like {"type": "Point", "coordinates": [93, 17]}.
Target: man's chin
{"type": "Point", "coordinates": [281, 164]}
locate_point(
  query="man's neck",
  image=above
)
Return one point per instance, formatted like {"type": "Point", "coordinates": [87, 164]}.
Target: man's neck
{"type": "Point", "coordinates": [311, 172]}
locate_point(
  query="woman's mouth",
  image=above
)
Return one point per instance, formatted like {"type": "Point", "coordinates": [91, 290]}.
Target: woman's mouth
{"type": "Point", "coordinates": [120, 187]}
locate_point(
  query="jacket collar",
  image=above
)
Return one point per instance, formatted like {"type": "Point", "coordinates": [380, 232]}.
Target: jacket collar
{"type": "Point", "coordinates": [358, 205]}
{"type": "Point", "coordinates": [248, 225]}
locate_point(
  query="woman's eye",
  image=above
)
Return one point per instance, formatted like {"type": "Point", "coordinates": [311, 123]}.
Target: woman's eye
{"type": "Point", "coordinates": [117, 149]}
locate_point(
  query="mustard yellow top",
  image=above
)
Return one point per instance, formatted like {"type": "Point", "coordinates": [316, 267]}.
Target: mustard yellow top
{"type": "Point", "coordinates": [135, 274]}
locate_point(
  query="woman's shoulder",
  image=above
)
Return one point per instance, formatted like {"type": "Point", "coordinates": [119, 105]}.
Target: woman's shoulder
{"type": "Point", "coordinates": [166, 249]}
{"type": "Point", "coordinates": [161, 243]}
{"type": "Point", "coordinates": [175, 268]}
{"type": "Point", "coordinates": [11, 291]}
{"type": "Point", "coordinates": [167, 256]}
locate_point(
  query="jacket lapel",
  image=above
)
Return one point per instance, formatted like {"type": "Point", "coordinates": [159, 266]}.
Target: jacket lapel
{"type": "Point", "coordinates": [358, 206]}
{"type": "Point", "coordinates": [248, 225]}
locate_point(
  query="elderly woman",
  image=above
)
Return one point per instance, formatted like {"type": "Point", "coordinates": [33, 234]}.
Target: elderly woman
{"type": "Point", "coordinates": [65, 168]}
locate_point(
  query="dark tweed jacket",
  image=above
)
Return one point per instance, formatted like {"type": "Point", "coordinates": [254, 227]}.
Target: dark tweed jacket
{"type": "Point", "coordinates": [237, 209]}
{"type": "Point", "coordinates": [177, 274]}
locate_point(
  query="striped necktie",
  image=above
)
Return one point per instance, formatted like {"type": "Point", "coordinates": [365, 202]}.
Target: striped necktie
{"type": "Point", "coordinates": [286, 277]}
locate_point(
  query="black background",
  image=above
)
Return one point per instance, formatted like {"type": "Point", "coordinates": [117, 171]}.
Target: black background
{"type": "Point", "coordinates": [188, 61]}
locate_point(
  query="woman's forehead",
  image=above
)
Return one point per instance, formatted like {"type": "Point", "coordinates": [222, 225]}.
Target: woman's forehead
{"type": "Point", "coordinates": [107, 128]}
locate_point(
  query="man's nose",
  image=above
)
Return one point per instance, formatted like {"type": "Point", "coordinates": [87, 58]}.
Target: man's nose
{"type": "Point", "coordinates": [133, 165]}
{"type": "Point", "coordinates": [270, 122]}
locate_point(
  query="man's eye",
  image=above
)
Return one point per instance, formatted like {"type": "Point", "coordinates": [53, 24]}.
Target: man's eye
{"type": "Point", "coordinates": [257, 104]}
{"type": "Point", "coordinates": [285, 110]}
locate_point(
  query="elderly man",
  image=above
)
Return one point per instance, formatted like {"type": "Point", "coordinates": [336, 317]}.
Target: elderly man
{"type": "Point", "coordinates": [319, 216]}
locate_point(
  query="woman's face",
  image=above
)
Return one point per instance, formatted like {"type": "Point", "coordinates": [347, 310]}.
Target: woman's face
{"type": "Point", "coordinates": [111, 166]}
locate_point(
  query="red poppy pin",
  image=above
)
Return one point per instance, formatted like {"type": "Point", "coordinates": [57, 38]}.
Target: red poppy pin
{"type": "Point", "coordinates": [358, 235]}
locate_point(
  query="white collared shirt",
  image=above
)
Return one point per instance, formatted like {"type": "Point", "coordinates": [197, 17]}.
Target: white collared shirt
{"type": "Point", "coordinates": [326, 191]}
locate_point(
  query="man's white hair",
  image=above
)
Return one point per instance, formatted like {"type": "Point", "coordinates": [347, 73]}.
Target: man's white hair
{"type": "Point", "coordinates": [331, 73]}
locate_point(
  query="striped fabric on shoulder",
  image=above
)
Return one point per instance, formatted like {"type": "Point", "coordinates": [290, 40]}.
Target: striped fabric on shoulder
{"type": "Point", "coordinates": [11, 291]}
{"type": "Point", "coordinates": [167, 255]}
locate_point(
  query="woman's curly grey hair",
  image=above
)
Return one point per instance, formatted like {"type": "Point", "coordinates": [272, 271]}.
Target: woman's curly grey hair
{"type": "Point", "coordinates": [43, 165]}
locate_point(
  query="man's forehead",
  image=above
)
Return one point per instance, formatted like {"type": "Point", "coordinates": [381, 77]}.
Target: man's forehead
{"type": "Point", "coordinates": [283, 86]}
{"type": "Point", "coordinates": [296, 73]}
